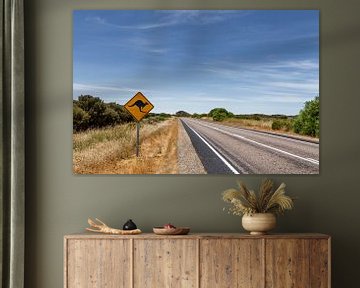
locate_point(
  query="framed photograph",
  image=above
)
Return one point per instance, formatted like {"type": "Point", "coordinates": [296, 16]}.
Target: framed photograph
{"type": "Point", "coordinates": [196, 92]}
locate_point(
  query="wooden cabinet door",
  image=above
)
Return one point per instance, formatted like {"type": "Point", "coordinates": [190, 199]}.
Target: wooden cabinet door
{"type": "Point", "coordinates": [231, 263]}
{"type": "Point", "coordinates": [320, 263]}
{"type": "Point", "coordinates": [287, 263]}
{"type": "Point", "coordinates": [165, 263]}
{"type": "Point", "coordinates": [98, 263]}
{"type": "Point", "coordinates": [297, 263]}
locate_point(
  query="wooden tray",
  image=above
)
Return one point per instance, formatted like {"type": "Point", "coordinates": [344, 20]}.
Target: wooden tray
{"type": "Point", "coordinates": [171, 231]}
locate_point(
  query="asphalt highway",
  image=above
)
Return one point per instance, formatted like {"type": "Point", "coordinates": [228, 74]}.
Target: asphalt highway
{"type": "Point", "coordinates": [229, 150]}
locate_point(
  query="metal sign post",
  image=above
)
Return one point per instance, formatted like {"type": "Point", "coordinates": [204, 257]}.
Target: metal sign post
{"type": "Point", "coordinates": [138, 106]}
{"type": "Point", "coordinates": [137, 138]}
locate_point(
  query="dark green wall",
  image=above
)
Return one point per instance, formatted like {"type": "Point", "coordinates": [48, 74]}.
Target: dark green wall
{"type": "Point", "coordinates": [59, 202]}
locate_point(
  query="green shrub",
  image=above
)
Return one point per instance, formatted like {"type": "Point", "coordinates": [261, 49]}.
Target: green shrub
{"type": "Point", "coordinates": [220, 114]}
{"type": "Point", "coordinates": [80, 119]}
{"type": "Point", "coordinates": [153, 118]}
{"type": "Point", "coordinates": [182, 114]}
{"type": "Point", "coordinates": [277, 125]}
{"type": "Point", "coordinates": [91, 112]}
{"type": "Point", "coordinates": [289, 124]}
{"type": "Point", "coordinates": [308, 120]}
{"type": "Point", "coordinates": [282, 124]}
{"type": "Point", "coordinates": [110, 117]}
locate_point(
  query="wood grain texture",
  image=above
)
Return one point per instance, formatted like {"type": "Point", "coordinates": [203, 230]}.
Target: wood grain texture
{"type": "Point", "coordinates": [287, 263]}
{"type": "Point", "coordinates": [319, 263]}
{"type": "Point", "coordinates": [166, 263]}
{"type": "Point", "coordinates": [98, 263]}
{"type": "Point", "coordinates": [231, 263]}
{"type": "Point", "coordinates": [197, 260]}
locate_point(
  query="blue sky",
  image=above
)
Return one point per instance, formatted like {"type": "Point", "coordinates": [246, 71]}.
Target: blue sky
{"type": "Point", "coordinates": [261, 61]}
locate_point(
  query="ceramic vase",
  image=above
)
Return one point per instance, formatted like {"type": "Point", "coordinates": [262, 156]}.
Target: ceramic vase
{"type": "Point", "coordinates": [259, 223]}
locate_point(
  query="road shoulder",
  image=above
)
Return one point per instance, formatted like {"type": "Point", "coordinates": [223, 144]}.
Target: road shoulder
{"type": "Point", "coordinates": [189, 162]}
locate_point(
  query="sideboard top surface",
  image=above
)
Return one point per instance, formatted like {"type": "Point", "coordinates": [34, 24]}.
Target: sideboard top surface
{"type": "Point", "coordinates": [87, 235]}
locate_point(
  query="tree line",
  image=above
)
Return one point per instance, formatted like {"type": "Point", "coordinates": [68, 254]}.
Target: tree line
{"type": "Point", "coordinates": [91, 112]}
{"type": "Point", "coordinates": [307, 122]}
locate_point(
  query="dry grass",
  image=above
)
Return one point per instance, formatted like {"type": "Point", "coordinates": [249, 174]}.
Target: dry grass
{"type": "Point", "coordinates": [112, 150]}
{"type": "Point", "coordinates": [254, 124]}
{"type": "Point", "coordinates": [261, 125]}
{"type": "Point", "coordinates": [89, 139]}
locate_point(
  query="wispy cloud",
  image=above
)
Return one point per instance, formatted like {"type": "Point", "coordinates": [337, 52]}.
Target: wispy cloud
{"type": "Point", "coordinates": [309, 86]}
{"type": "Point", "coordinates": [157, 51]}
{"type": "Point", "coordinates": [103, 90]}
{"type": "Point", "coordinates": [96, 88]}
{"type": "Point", "coordinates": [104, 22]}
{"type": "Point", "coordinates": [96, 20]}
{"type": "Point", "coordinates": [196, 60]}
{"type": "Point", "coordinates": [286, 74]}
{"type": "Point", "coordinates": [300, 64]}
{"type": "Point", "coordinates": [173, 17]}
{"type": "Point", "coordinates": [135, 43]}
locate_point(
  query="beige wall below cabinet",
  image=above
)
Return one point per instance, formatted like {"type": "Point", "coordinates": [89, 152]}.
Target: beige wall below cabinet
{"type": "Point", "coordinates": [197, 260]}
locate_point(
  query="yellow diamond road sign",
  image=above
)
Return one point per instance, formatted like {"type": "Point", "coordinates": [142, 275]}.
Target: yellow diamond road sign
{"type": "Point", "coordinates": [138, 106]}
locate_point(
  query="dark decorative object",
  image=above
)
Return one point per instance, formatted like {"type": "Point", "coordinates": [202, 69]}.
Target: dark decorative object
{"type": "Point", "coordinates": [129, 225]}
{"type": "Point", "coordinates": [101, 227]}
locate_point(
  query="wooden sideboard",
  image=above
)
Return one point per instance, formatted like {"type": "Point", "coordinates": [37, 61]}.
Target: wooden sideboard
{"type": "Point", "coordinates": [197, 260]}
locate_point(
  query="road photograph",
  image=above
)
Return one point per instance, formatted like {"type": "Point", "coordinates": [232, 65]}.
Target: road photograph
{"type": "Point", "coordinates": [196, 92]}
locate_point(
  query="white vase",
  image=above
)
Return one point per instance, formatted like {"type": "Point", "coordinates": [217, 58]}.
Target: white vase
{"type": "Point", "coordinates": [259, 223]}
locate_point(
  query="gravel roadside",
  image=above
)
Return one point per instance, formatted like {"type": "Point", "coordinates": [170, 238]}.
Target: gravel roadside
{"type": "Point", "coordinates": [189, 162]}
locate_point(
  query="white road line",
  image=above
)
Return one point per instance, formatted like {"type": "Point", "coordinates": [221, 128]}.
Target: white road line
{"type": "Point", "coordinates": [287, 138]}
{"type": "Point", "coordinates": [313, 161]}
{"type": "Point", "coordinates": [310, 159]}
{"type": "Point", "coordinates": [217, 153]}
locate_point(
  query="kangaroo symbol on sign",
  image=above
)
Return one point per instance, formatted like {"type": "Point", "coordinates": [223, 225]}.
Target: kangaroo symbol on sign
{"type": "Point", "coordinates": [140, 104]}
